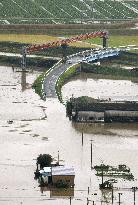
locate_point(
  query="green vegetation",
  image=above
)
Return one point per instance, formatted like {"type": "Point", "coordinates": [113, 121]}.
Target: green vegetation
{"type": "Point", "coordinates": [45, 12]}
{"type": "Point", "coordinates": [15, 47]}
{"type": "Point", "coordinates": [37, 85]}
{"type": "Point", "coordinates": [122, 171]}
{"type": "Point", "coordinates": [117, 40]}
{"type": "Point", "coordinates": [26, 39]}
{"type": "Point", "coordinates": [44, 160]}
{"type": "Point", "coordinates": [105, 70]}
{"type": "Point", "coordinates": [125, 59]}
{"type": "Point", "coordinates": [61, 184]}
{"type": "Point", "coordinates": [64, 78]}
{"type": "Point", "coordinates": [32, 63]}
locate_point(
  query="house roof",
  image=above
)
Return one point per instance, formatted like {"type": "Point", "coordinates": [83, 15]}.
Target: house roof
{"type": "Point", "coordinates": [62, 170]}
{"type": "Point", "coordinates": [58, 171]}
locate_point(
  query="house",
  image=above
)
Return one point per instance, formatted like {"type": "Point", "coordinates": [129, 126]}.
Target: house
{"type": "Point", "coordinates": [59, 176]}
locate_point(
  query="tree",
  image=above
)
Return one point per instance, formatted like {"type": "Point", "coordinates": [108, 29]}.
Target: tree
{"type": "Point", "coordinates": [44, 160]}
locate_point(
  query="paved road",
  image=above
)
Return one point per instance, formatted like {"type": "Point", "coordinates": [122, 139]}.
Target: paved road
{"type": "Point", "coordinates": [51, 79]}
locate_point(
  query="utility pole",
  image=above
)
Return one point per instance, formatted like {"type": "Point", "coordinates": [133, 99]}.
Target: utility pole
{"type": "Point", "coordinates": [87, 201]}
{"type": "Point", "coordinates": [82, 138]}
{"type": "Point", "coordinates": [58, 157]}
{"type": "Point", "coordinates": [112, 195]}
{"type": "Point", "coordinates": [91, 153]}
{"type": "Point", "coordinates": [64, 54]}
{"type": "Point", "coordinates": [70, 200]}
{"type": "Point", "coordinates": [88, 190]}
{"type": "Point", "coordinates": [134, 190]}
{"type": "Point", "coordinates": [102, 177]}
{"type": "Point", "coordinates": [119, 194]}
{"type": "Point", "coordinates": [105, 38]}
{"type": "Point", "coordinates": [23, 61]}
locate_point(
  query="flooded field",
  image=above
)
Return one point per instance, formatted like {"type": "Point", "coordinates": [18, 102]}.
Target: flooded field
{"type": "Point", "coordinates": [101, 88]}
{"type": "Point", "coordinates": [42, 127]}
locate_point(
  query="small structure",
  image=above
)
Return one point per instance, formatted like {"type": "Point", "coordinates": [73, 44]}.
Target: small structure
{"type": "Point", "coordinates": [85, 116]}
{"type": "Point", "coordinates": [86, 109]}
{"type": "Point", "coordinates": [120, 116]}
{"type": "Point", "coordinates": [58, 176]}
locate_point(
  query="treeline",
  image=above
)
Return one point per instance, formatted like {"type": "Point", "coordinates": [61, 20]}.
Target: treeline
{"type": "Point", "coordinates": [35, 63]}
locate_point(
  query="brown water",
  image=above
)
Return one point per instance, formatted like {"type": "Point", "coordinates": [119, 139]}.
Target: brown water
{"type": "Point", "coordinates": [84, 85]}
{"type": "Point", "coordinates": [22, 141]}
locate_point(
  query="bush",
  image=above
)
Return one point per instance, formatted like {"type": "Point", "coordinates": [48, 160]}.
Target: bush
{"type": "Point", "coordinates": [44, 160]}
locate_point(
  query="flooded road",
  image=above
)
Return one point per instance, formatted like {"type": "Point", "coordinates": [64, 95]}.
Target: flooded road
{"type": "Point", "coordinates": [31, 134]}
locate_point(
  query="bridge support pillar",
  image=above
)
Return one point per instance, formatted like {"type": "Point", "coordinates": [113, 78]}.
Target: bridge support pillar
{"type": "Point", "coordinates": [105, 40]}
{"type": "Point", "coordinates": [64, 54]}
{"type": "Point", "coordinates": [23, 61]}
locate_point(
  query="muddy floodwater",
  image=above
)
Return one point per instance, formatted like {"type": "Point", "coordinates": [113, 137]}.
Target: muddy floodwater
{"type": "Point", "coordinates": [115, 89]}
{"type": "Point", "coordinates": [32, 133]}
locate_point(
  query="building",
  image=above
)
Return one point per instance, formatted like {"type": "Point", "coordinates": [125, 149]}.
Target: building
{"type": "Point", "coordinates": [59, 176]}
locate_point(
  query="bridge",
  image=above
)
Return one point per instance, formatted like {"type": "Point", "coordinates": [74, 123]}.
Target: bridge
{"type": "Point", "coordinates": [52, 77]}
{"type": "Point", "coordinates": [54, 74]}
{"type": "Point", "coordinates": [62, 43]}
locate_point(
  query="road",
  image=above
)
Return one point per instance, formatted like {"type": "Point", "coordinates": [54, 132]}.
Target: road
{"type": "Point", "coordinates": [52, 77]}
{"type": "Point", "coordinates": [85, 56]}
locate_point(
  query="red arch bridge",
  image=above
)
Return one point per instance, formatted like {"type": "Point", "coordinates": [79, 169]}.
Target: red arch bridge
{"type": "Point", "coordinates": [33, 48]}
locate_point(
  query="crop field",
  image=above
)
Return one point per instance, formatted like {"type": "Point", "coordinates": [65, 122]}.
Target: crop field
{"type": "Point", "coordinates": [115, 41]}
{"type": "Point", "coordinates": [62, 12]}
{"type": "Point", "coordinates": [23, 38]}
{"type": "Point", "coordinates": [39, 39]}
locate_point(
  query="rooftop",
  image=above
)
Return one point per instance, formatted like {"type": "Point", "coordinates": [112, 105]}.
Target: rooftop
{"type": "Point", "coordinates": [57, 171]}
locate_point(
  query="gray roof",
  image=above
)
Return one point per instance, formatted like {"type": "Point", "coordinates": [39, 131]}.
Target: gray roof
{"type": "Point", "coordinates": [58, 171]}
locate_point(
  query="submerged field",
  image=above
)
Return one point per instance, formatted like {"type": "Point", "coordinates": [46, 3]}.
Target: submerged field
{"type": "Point", "coordinates": [42, 127]}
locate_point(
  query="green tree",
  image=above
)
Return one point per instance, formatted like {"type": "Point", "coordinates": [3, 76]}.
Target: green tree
{"type": "Point", "coordinates": [44, 160]}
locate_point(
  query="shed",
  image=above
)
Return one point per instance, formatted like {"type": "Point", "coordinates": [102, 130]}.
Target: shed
{"type": "Point", "coordinates": [123, 116]}
{"type": "Point", "coordinates": [59, 174]}
{"type": "Point", "coordinates": [90, 116]}
{"type": "Point", "coordinates": [63, 174]}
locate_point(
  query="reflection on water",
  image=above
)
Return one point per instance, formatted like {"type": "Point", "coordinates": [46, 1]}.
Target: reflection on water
{"type": "Point", "coordinates": [103, 128]}
{"type": "Point", "coordinates": [106, 196]}
{"type": "Point", "coordinates": [23, 80]}
{"type": "Point", "coordinates": [58, 193]}
{"type": "Point", "coordinates": [101, 88]}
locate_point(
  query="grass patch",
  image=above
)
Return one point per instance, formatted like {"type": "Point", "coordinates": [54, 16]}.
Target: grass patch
{"type": "Point", "coordinates": [72, 71]}
{"type": "Point", "coordinates": [26, 38]}
{"type": "Point", "coordinates": [124, 59]}
{"type": "Point", "coordinates": [37, 85]}
{"type": "Point", "coordinates": [38, 63]}
{"type": "Point", "coordinates": [18, 39]}
{"type": "Point", "coordinates": [105, 70]}
{"type": "Point", "coordinates": [15, 47]}
{"type": "Point", "coordinates": [116, 40]}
